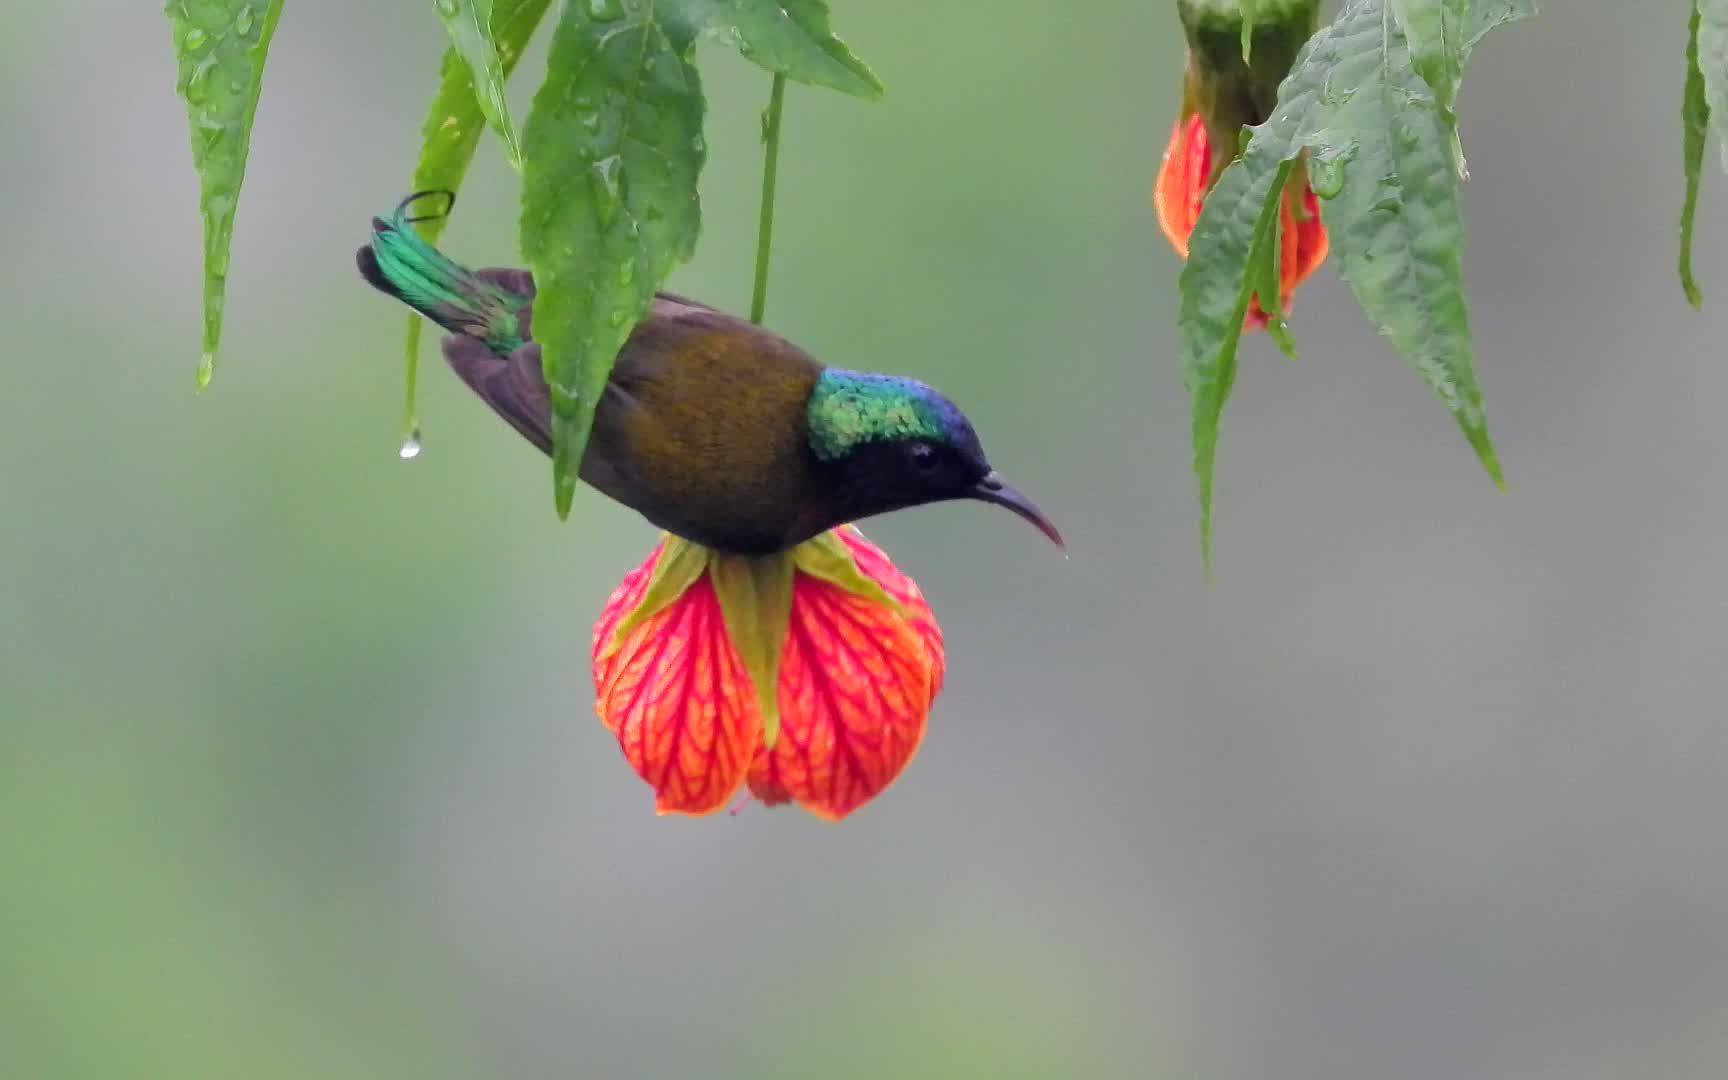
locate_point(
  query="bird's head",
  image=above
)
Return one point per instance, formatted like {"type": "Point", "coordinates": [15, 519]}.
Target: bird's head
{"type": "Point", "coordinates": [888, 443]}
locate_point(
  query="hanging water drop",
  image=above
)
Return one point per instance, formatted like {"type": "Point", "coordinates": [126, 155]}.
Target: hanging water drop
{"type": "Point", "coordinates": [410, 446]}
{"type": "Point", "coordinates": [206, 368]}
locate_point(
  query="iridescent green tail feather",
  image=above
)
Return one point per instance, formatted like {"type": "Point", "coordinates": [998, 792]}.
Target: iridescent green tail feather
{"type": "Point", "coordinates": [400, 263]}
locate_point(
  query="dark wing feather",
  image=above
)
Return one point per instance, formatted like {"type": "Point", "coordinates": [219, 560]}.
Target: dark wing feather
{"type": "Point", "coordinates": [512, 384]}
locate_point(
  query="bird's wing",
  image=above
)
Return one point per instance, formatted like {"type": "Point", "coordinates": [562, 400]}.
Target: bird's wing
{"type": "Point", "coordinates": [512, 384]}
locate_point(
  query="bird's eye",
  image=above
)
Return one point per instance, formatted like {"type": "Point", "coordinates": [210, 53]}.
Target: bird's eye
{"type": "Point", "coordinates": [923, 456]}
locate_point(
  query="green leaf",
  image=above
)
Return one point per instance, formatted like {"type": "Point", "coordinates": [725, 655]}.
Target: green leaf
{"type": "Point", "coordinates": [1712, 39]}
{"type": "Point", "coordinates": [1435, 31]}
{"type": "Point", "coordinates": [755, 595]}
{"type": "Point", "coordinates": [1248, 11]}
{"type": "Point", "coordinates": [469, 24]}
{"type": "Point", "coordinates": [451, 131]}
{"type": "Point", "coordinates": [1486, 15]}
{"type": "Point", "coordinates": [611, 155]}
{"type": "Point", "coordinates": [1695, 129]}
{"type": "Point", "coordinates": [788, 37]}
{"type": "Point", "coordinates": [1378, 146]}
{"type": "Point", "coordinates": [220, 46]}
{"type": "Point", "coordinates": [1440, 35]}
{"type": "Point", "coordinates": [1232, 238]}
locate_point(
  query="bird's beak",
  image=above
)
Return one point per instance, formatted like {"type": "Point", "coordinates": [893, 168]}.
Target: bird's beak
{"type": "Point", "coordinates": [991, 489]}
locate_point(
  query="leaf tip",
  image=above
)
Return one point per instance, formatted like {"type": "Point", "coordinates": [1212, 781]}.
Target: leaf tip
{"type": "Point", "coordinates": [206, 370]}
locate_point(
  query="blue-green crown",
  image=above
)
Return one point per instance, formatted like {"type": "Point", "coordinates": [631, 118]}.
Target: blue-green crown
{"type": "Point", "coordinates": [851, 408]}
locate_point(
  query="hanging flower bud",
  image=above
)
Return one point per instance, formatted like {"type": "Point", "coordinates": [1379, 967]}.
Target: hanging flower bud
{"type": "Point", "coordinates": [1223, 92]}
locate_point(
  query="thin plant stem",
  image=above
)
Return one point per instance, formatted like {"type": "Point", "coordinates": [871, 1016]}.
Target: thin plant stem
{"type": "Point", "coordinates": [770, 171]}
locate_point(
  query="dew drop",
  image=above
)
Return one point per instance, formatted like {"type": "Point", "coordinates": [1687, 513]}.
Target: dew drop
{"type": "Point", "coordinates": [410, 446]}
{"type": "Point", "coordinates": [627, 271]}
{"type": "Point", "coordinates": [447, 8]}
{"type": "Point", "coordinates": [194, 39]}
{"type": "Point", "coordinates": [604, 10]}
{"type": "Point", "coordinates": [243, 22]}
{"type": "Point", "coordinates": [1326, 171]}
{"type": "Point", "coordinates": [607, 171]}
{"type": "Point", "coordinates": [206, 369]}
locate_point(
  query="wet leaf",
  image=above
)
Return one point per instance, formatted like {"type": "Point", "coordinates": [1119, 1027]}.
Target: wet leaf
{"type": "Point", "coordinates": [469, 24]}
{"type": "Point", "coordinates": [220, 46]}
{"type": "Point", "coordinates": [611, 155]}
{"type": "Point", "coordinates": [1440, 35]}
{"type": "Point", "coordinates": [1389, 201]}
{"type": "Point", "coordinates": [792, 38]}
{"type": "Point", "coordinates": [1695, 129]}
{"type": "Point", "coordinates": [451, 132]}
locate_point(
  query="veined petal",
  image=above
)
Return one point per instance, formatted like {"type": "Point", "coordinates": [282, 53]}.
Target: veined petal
{"type": "Point", "coordinates": [874, 564]}
{"type": "Point", "coordinates": [619, 605]}
{"type": "Point", "coordinates": [675, 692]}
{"type": "Point", "coordinates": [857, 678]}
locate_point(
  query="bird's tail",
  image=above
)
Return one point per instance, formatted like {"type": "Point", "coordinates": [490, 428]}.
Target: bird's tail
{"type": "Point", "coordinates": [398, 262]}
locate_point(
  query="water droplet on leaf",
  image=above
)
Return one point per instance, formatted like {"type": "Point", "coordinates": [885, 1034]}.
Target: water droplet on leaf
{"type": "Point", "coordinates": [206, 368]}
{"type": "Point", "coordinates": [194, 39]}
{"type": "Point", "coordinates": [627, 271]}
{"type": "Point", "coordinates": [604, 10]}
{"type": "Point", "coordinates": [447, 8]}
{"type": "Point", "coordinates": [1326, 171]}
{"type": "Point", "coordinates": [410, 446]}
{"type": "Point", "coordinates": [243, 22]}
{"type": "Point", "coordinates": [608, 173]}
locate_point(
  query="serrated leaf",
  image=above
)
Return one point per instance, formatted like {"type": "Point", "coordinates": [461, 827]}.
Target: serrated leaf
{"type": "Point", "coordinates": [1436, 31]}
{"type": "Point", "coordinates": [611, 155]}
{"type": "Point", "coordinates": [451, 131]}
{"type": "Point", "coordinates": [1229, 241]}
{"type": "Point", "coordinates": [220, 47]}
{"type": "Point", "coordinates": [1712, 38]}
{"type": "Point", "coordinates": [1695, 128]}
{"type": "Point", "coordinates": [788, 37]}
{"type": "Point", "coordinates": [1486, 15]}
{"type": "Point", "coordinates": [469, 24]}
{"type": "Point", "coordinates": [1389, 199]}
{"type": "Point", "coordinates": [1440, 35]}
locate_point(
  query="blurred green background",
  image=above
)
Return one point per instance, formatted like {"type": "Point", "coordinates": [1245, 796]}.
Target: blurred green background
{"type": "Point", "coordinates": [298, 769]}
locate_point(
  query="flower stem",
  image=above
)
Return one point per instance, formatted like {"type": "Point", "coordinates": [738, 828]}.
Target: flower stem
{"type": "Point", "coordinates": [770, 170]}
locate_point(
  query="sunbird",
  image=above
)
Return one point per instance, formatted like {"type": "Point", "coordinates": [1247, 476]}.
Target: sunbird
{"type": "Point", "coordinates": [711, 427]}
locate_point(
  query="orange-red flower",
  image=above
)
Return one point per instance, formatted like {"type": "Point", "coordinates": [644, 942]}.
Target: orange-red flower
{"type": "Point", "coordinates": [1187, 175]}
{"type": "Point", "coordinates": [858, 663]}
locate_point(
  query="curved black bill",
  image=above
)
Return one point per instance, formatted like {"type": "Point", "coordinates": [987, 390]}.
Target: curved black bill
{"type": "Point", "coordinates": [991, 489]}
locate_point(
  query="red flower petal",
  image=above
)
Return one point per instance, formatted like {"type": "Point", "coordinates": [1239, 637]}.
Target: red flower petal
{"type": "Point", "coordinates": [676, 694]}
{"type": "Point", "coordinates": [874, 564]}
{"type": "Point", "coordinates": [1183, 180]}
{"type": "Point", "coordinates": [856, 681]}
